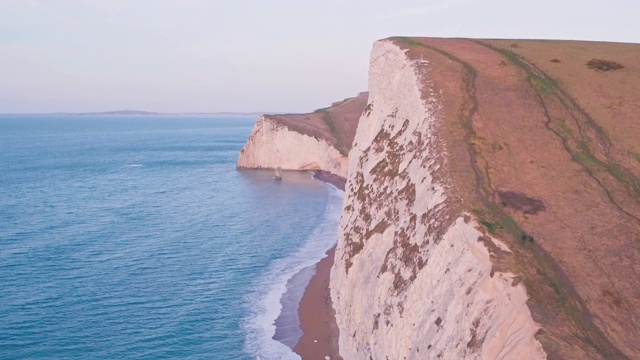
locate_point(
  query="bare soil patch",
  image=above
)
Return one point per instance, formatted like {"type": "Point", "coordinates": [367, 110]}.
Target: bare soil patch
{"type": "Point", "coordinates": [520, 202]}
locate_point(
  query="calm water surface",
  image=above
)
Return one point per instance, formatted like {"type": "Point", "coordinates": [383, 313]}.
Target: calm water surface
{"type": "Point", "coordinates": [135, 237]}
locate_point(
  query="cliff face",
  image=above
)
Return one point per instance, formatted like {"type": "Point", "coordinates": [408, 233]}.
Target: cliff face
{"type": "Point", "coordinates": [270, 146]}
{"type": "Point", "coordinates": [464, 142]}
{"type": "Point", "coordinates": [492, 204]}
{"type": "Point", "coordinates": [315, 141]}
{"type": "Point", "coordinates": [413, 277]}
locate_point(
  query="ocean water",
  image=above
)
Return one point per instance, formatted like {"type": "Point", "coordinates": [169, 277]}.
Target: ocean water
{"type": "Point", "coordinates": [135, 237]}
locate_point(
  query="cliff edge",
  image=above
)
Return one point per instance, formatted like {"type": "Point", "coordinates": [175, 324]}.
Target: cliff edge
{"type": "Point", "coordinates": [492, 206]}
{"type": "Point", "coordinates": [316, 141]}
{"type": "Point", "coordinates": [492, 202]}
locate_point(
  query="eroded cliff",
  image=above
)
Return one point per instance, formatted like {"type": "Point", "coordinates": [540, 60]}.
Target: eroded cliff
{"type": "Point", "coordinates": [492, 203]}
{"type": "Point", "coordinates": [464, 142]}
{"type": "Point", "coordinates": [317, 141]}
{"type": "Point", "coordinates": [411, 278]}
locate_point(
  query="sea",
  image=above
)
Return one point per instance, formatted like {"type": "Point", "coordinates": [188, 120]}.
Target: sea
{"type": "Point", "coordinates": [135, 237]}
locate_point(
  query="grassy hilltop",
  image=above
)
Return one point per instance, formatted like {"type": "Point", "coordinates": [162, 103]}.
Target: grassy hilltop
{"type": "Point", "coordinates": [543, 144]}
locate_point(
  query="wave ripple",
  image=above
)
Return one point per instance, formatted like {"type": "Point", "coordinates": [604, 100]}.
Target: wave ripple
{"type": "Point", "coordinates": [99, 259]}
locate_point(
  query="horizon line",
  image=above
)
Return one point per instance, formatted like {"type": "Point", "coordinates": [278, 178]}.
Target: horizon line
{"type": "Point", "coordinates": [143, 112]}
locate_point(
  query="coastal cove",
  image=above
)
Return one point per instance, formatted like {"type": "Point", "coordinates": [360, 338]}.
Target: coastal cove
{"type": "Point", "coordinates": [136, 237]}
{"type": "Point", "coordinates": [432, 216]}
{"type": "Point", "coordinates": [338, 180]}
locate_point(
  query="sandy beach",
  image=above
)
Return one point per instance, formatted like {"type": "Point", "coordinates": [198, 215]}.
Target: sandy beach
{"type": "Point", "coordinates": [335, 180]}
{"type": "Point", "coordinates": [317, 317]}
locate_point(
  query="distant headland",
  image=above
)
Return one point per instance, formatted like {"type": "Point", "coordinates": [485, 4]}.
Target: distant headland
{"type": "Point", "coordinates": [145, 113]}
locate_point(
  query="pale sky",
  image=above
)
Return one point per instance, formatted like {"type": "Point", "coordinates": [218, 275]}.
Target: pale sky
{"type": "Point", "coordinates": [248, 55]}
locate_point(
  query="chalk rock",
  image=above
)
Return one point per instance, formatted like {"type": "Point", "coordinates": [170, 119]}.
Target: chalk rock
{"type": "Point", "coordinates": [410, 280]}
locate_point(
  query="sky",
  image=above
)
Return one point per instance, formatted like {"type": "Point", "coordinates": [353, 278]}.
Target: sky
{"type": "Point", "coordinates": [248, 55]}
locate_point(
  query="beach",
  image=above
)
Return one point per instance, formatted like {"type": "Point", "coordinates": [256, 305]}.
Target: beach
{"type": "Point", "coordinates": [317, 317]}
{"type": "Point", "coordinates": [335, 180]}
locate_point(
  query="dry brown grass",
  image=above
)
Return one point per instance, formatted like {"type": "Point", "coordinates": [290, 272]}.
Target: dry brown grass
{"type": "Point", "coordinates": [564, 172]}
{"type": "Point", "coordinates": [336, 124]}
{"type": "Point", "coordinates": [611, 97]}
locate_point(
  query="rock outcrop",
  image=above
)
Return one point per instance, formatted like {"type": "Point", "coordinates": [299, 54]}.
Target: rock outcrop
{"type": "Point", "coordinates": [315, 141]}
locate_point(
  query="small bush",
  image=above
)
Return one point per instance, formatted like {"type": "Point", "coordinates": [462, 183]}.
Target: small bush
{"type": "Point", "coordinates": [368, 109]}
{"type": "Point", "coordinates": [555, 61]}
{"type": "Point", "coordinates": [356, 248]}
{"type": "Point", "coordinates": [604, 65]}
{"type": "Point", "coordinates": [491, 227]}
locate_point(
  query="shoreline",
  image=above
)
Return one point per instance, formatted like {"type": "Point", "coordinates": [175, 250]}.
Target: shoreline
{"type": "Point", "coordinates": [306, 323]}
{"type": "Point", "coordinates": [329, 178]}
{"type": "Point", "coordinates": [320, 331]}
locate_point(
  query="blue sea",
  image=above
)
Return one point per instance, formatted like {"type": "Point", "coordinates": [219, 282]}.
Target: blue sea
{"type": "Point", "coordinates": [135, 237]}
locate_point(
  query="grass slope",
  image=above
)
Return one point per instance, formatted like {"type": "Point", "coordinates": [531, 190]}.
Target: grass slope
{"type": "Point", "coordinates": [551, 124]}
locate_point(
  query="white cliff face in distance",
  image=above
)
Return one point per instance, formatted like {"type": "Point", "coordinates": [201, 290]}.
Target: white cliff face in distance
{"type": "Point", "coordinates": [272, 145]}
{"type": "Point", "coordinates": [410, 279]}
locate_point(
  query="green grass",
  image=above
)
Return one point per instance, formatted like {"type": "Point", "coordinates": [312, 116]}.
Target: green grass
{"type": "Point", "coordinates": [583, 146]}
{"type": "Point", "coordinates": [552, 279]}
{"type": "Point", "coordinates": [618, 173]}
{"type": "Point", "coordinates": [492, 227]}
{"type": "Point", "coordinates": [328, 119]}
{"type": "Point", "coordinates": [511, 226]}
{"type": "Point", "coordinates": [545, 87]}
{"type": "Point", "coordinates": [547, 275]}
{"type": "Point", "coordinates": [407, 41]}
{"type": "Point", "coordinates": [333, 129]}
{"type": "Point", "coordinates": [549, 287]}
{"type": "Point", "coordinates": [511, 56]}
{"type": "Point", "coordinates": [357, 247]}
{"type": "Point", "coordinates": [542, 85]}
{"type": "Point", "coordinates": [585, 158]}
{"type": "Point", "coordinates": [564, 127]}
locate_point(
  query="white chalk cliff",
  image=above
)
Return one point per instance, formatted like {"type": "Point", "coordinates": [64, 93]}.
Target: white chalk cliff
{"type": "Point", "coordinates": [413, 276]}
{"type": "Point", "coordinates": [411, 279]}
{"type": "Point", "coordinates": [272, 145]}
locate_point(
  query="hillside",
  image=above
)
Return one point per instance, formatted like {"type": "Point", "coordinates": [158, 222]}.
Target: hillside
{"type": "Point", "coordinates": [315, 141]}
{"type": "Point", "coordinates": [536, 142]}
{"type": "Point", "coordinates": [492, 202]}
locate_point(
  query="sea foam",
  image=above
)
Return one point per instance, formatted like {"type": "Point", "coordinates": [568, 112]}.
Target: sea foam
{"type": "Point", "coordinates": [265, 304]}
